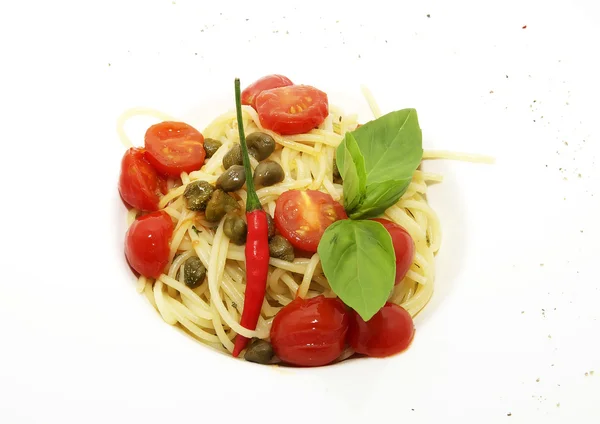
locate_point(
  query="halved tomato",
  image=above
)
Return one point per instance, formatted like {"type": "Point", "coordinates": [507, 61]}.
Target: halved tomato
{"type": "Point", "coordinates": [139, 185]}
{"type": "Point", "coordinates": [174, 147]}
{"type": "Point", "coordinates": [265, 83]}
{"type": "Point", "coordinates": [302, 216]}
{"type": "Point", "coordinates": [294, 109]}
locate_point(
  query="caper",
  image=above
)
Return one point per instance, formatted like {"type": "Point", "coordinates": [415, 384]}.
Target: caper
{"type": "Point", "coordinates": [260, 144]}
{"type": "Point", "coordinates": [194, 272]}
{"type": "Point", "coordinates": [197, 195]}
{"type": "Point", "coordinates": [236, 229]}
{"type": "Point", "coordinates": [271, 226]}
{"type": "Point", "coordinates": [280, 248]}
{"type": "Point", "coordinates": [233, 157]}
{"type": "Point", "coordinates": [337, 177]}
{"type": "Point", "coordinates": [211, 146]}
{"type": "Point", "coordinates": [259, 351]}
{"type": "Point", "coordinates": [268, 173]}
{"type": "Point", "coordinates": [220, 204]}
{"type": "Point", "coordinates": [232, 179]}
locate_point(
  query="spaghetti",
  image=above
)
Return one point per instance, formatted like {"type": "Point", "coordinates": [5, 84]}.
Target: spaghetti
{"type": "Point", "coordinates": [211, 312]}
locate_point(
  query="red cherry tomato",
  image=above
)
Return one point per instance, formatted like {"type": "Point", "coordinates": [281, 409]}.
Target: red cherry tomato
{"type": "Point", "coordinates": [147, 243]}
{"type": "Point", "coordinates": [294, 109]}
{"type": "Point", "coordinates": [139, 184]}
{"type": "Point", "coordinates": [174, 147]}
{"type": "Point", "coordinates": [302, 216]}
{"type": "Point", "coordinates": [388, 332]}
{"type": "Point", "coordinates": [310, 332]}
{"type": "Point", "coordinates": [265, 83]}
{"type": "Point", "coordinates": [404, 247]}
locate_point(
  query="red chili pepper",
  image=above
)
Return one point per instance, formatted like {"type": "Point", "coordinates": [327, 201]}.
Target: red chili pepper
{"type": "Point", "coordinates": [257, 242]}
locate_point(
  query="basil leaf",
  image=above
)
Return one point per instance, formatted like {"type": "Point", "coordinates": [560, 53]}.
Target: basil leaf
{"type": "Point", "coordinates": [355, 177]}
{"type": "Point", "coordinates": [391, 147]}
{"type": "Point", "coordinates": [380, 196]}
{"type": "Point", "coordinates": [358, 260]}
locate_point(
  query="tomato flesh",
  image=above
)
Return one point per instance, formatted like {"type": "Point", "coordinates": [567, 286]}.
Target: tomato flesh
{"type": "Point", "coordinates": [302, 216]}
{"type": "Point", "coordinates": [265, 83]}
{"type": "Point", "coordinates": [294, 109]}
{"type": "Point", "coordinates": [310, 332]}
{"type": "Point", "coordinates": [139, 184]}
{"type": "Point", "coordinates": [147, 243]}
{"type": "Point", "coordinates": [174, 147]}
{"type": "Point", "coordinates": [404, 247]}
{"type": "Point", "coordinates": [388, 332]}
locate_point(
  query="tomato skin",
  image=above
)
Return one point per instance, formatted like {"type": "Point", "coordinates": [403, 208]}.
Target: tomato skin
{"type": "Point", "coordinates": [174, 147]}
{"type": "Point", "coordinates": [302, 216]}
{"type": "Point", "coordinates": [404, 247]}
{"type": "Point", "coordinates": [265, 83]}
{"type": "Point", "coordinates": [310, 332]}
{"type": "Point", "coordinates": [388, 332]}
{"type": "Point", "coordinates": [139, 184]}
{"type": "Point", "coordinates": [294, 109]}
{"type": "Point", "coordinates": [147, 243]}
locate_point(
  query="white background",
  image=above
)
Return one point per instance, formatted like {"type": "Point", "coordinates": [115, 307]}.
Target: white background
{"type": "Point", "coordinates": [513, 329]}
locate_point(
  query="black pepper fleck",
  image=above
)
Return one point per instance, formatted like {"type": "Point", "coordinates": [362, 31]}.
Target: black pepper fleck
{"type": "Point", "coordinates": [428, 15]}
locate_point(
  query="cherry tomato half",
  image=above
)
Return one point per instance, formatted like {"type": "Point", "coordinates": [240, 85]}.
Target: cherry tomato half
{"type": "Point", "coordinates": [310, 332]}
{"type": "Point", "coordinates": [139, 183]}
{"type": "Point", "coordinates": [265, 83]}
{"type": "Point", "coordinates": [294, 109]}
{"type": "Point", "coordinates": [302, 216]}
{"type": "Point", "coordinates": [147, 243]}
{"type": "Point", "coordinates": [388, 332]}
{"type": "Point", "coordinates": [404, 247]}
{"type": "Point", "coordinates": [174, 147]}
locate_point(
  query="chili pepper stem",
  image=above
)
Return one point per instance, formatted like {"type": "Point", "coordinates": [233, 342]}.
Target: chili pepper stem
{"type": "Point", "coordinates": [252, 201]}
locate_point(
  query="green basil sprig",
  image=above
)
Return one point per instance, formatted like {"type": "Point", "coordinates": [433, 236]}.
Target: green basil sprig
{"type": "Point", "coordinates": [358, 259]}
{"type": "Point", "coordinates": [391, 152]}
{"type": "Point", "coordinates": [376, 162]}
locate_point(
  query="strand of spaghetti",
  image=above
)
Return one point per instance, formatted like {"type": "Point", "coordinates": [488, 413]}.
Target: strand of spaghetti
{"type": "Point", "coordinates": [423, 207]}
{"type": "Point", "coordinates": [140, 284]}
{"type": "Point", "coordinates": [273, 279]}
{"type": "Point", "coordinates": [196, 331]}
{"type": "Point", "coordinates": [371, 101]}
{"type": "Point", "coordinates": [464, 157]}
{"type": "Point", "coordinates": [177, 237]}
{"type": "Point", "coordinates": [217, 255]}
{"type": "Point", "coordinates": [219, 329]}
{"type": "Point", "coordinates": [161, 304]}
{"type": "Point", "coordinates": [173, 213]}
{"type": "Point", "coordinates": [179, 260]}
{"type": "Point", "coordinates": [331, 189]}
{"type": "Point", "coordinates": [268, 310]}
{"type": "Point", "coordinates": [416, 277]}
{"type": "Point", "coordinates": [400, 217]}
{"type": "Point", "coordinates": [283, 300]}
{"type": "Point", "coordinates": [291, 283]}
{"type": "Point", "coordinates": [130, 113]}
{"type": "Point", "coordinates": [149, 293]}
{"type": "Point", "coordinates": [419, 299]}
{"type": "Point", "coordinates": [322, 170]}
{"type": "Point", "coordinates": [172, 194]}
{"type": "Point", "coordinates": [308, 274]}
{"type": "Point", "coordinates": [180, 310]}
{"type": "Point", "coordinates": [185, 291]}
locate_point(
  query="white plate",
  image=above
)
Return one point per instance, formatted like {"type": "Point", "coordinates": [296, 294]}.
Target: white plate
{"type": "Point", "coordinates": [517, 286]}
